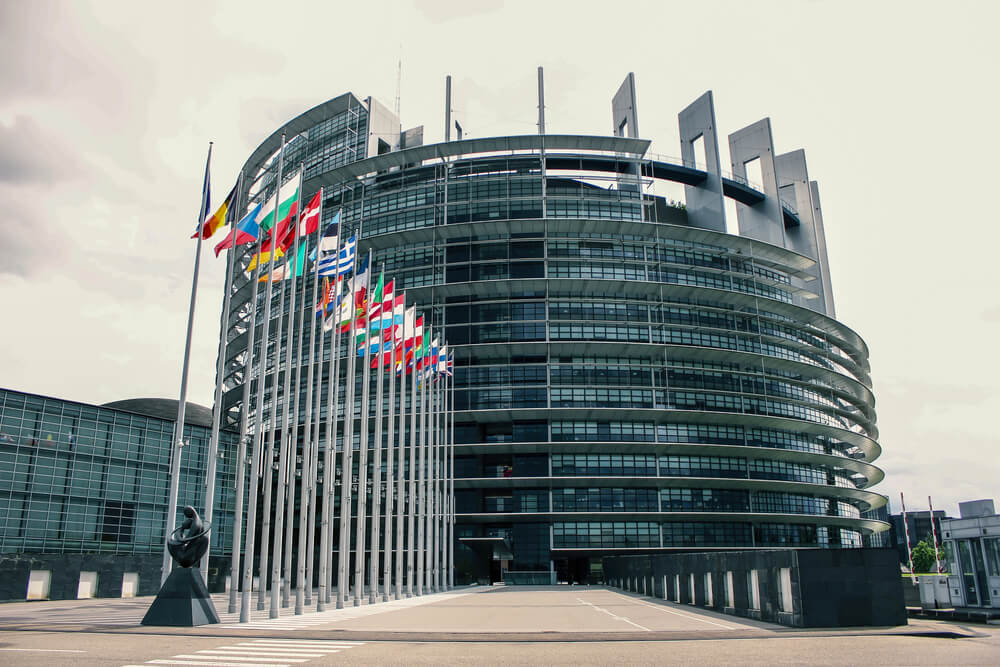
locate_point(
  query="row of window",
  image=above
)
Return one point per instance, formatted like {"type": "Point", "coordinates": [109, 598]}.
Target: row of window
{"type": "Point", "coordinates": [639, 534]}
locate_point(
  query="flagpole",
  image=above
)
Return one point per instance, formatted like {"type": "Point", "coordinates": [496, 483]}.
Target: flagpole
{"type": "Point", "coordinates": [438, 476]}
{"type": "Point", "coordinates": [257, 464]}
{"type": "Point", "coordinates": [422, 471]}
{"type": "Point", "coordinates": [330, 450]}
{"type": "Point", "coordinates": [267, 465]}
{"type": "Point", "coordinates": [220, 369]}
{"type": "Point", "coordinates": [248, 369]}
{"type": "Point", "coordinates": [178, 440]}
{"type": "Point", "coordinates": [303, 593]}
{"type": "Point", "coordinates": [324, 522]}
{"type": "Point", "coordinates": [235, 567]}
{"type": "Point", "coordinates": [451, 464]}
{"type": "Point", "coordinates": [359, 540]}
{"type": "Point", "coordinates": [412, 497]}
{"type": "Point", "coordinates": [373, 541]}
{"type": "Point", "coordinates": [400, 455]}
{"type": "Point", "coordinates": [432, 473]}
{"type": "Point", "coordinates": [344, 564]}
{"type": "Point", "coordinates": [292, 396]}
{"type": "Point", "coordinates": [334, 407]}
{"type": "Point", "coordinates": [290, 411]}
{"type": "Point", "coordinates": [390, 423]}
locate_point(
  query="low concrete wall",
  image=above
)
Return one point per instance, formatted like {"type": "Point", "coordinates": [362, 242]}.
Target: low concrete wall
{"type": "Point", "coordinates": [65, 573]}
{"type": "Point", "coordinates": [826, 587]}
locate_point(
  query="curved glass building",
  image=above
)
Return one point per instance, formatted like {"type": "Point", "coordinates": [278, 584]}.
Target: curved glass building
{"type": "Point", "coordinates": [629, 376]}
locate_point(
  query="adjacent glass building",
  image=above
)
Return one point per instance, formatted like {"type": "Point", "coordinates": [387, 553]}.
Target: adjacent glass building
{"type": "Point", "coordinates": [630, 377]}
{"type": "Point", "coordinates": [83, 487]}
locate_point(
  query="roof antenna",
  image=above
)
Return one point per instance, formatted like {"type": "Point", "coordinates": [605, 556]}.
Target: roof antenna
{"type": "Point", "coordinates": [399, 77]}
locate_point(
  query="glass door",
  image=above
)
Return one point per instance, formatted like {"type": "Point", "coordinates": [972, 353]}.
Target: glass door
{"type": "Point", "coordinates": [965, 549]}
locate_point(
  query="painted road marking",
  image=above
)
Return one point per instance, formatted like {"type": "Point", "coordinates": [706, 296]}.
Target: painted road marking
{"type": "Point", "coordinates": [613, 615]}
{"type": "Point", "coordinates": [240, 657]}
{"type": "Point", "coordinates": [259, 653]}
{"type": "Point", "coordinates": [691, 616]}
{"type": "Point", "coordinates": [45, 650]}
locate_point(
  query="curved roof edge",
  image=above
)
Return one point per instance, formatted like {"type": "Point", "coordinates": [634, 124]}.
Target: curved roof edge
{"type": "Point", "coordinates": [164, 408]}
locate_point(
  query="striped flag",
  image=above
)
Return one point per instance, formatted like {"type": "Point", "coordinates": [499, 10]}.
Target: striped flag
{"type": "Point", "coordinates": [340, 264]}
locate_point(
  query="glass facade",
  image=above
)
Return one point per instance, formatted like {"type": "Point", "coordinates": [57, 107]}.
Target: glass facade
{"type": "Point", "coordinates": [77, 478]}
{"type": "Point", "coordinates": [598, 335]}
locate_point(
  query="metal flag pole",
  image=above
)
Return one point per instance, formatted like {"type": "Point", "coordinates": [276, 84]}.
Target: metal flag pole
{"type": "Point", "coordinates": [438, 478]}
{"type": "Point", "coordinates": [451, 476]}
{"type": "Point", "coordinates": [330, 450]}
{"type": "Point", "coordinates": [248, 368]}
{"type": "Point", "coordinates": [363, 414]}
{"type": "Point", "coordinates": [328, 472]}
{"type": "Point", "coordinates": [291, 409]}
{"type": "Point", "coordinates": [390, 424]}
{"type": "Point", "coordinates": [344, 547]}
{"type": "Point", "coordinates": [257, 465]}
{"type": "Point", "coordinates": [411, 500]}
{"type": "Point", "coordinates": [451, 471]}
{"type": "Point", "coordinates": [267, 466]}
{"type": "Point", "coordinates": [422, 473]}
{"type": "Point", "coordinates": [303, 592]}
{"type": "Point", "coordinates": [432, 529]}
{"type": "Point", "coordinates": [178, 440]}
{"type": "Point", "coordinates": [220, 369]}
{"type": "Point", "coordinates": [373, 541]}
{"type": "Point", "coordinates": [333, 428]}
{"type": "Point", "coordinates": [282, 434]}
{"type": "Point", "coordinates": [400, 454]}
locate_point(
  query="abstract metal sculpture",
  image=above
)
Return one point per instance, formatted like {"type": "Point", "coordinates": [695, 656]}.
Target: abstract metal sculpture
{"type": "Point", "coordinates": [183, 599]}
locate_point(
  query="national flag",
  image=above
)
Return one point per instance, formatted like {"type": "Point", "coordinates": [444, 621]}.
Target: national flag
{"type": "Point", "coordinates": [309, 220]}
{"type": "Point", "coordinates": [380, 306]}
{"type": "Point", "coordinates": [218, 219]}
{"type": "Point", "coordinates": [450, 368]}
{"type": "Point", "coordinates": [267, 219]}
{"type": "Point", "coordinates": [372, 306]}
{"type": "Point", "coordinates": [206, 194]}
{"type": "Point", "coordinates": [340, 264]}
{"type": "Point", "coordinates": [284, 272]}
{"type": "Point", "coordinates": [263, 257]}
{"type": "Point", "coordinates": [442, 364]}
{"type": "Point", "coordinates": [245, 231]}
{"type": "Point", "coordinates": [362, 284]}
{"type": "Point", "coordinates": [324, 298]}
{"type": "Point", "coordinates": [329, 242]}
{"type": "Point", "coordinates": [414, 344]}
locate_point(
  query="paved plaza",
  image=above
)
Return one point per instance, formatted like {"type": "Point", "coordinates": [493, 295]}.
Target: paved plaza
{"type": "Point", "coordinates": [479, 625]}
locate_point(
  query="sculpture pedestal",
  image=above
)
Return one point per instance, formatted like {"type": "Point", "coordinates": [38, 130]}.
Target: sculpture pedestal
{"type": "Point", "coordinates": [183, 601]}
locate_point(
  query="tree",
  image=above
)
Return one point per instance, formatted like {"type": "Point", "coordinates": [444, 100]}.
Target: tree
{"type": "Point", "coordinates": [923, 557]}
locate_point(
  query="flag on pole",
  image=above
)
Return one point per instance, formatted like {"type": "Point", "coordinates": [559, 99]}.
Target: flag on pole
{"type": "Point", "coordinates": [285, 209]}
{"type": "Point", "coordinates": [218, 219]}
{"type": "Point", "coordinates": [263, 257]}
{"type": "Point", "coordinates": [284, 272]}
{"type": "Point", "coordinates": [245, 231]}
{"type": "Point", "coordinates": [329, 243]}
{"type": "Point", "coordinates": [340, 264]}
{"type": "Point", "coordinates": [206, 195]}
{"type": "Point", "coordinates": [309, 221]}
{"type": "Point", "coordinates": [442, 364]}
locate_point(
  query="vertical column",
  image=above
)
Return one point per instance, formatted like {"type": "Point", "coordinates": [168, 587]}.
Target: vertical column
{"type": "Point", "coordinates": [807, 237]}
{"type": "Point", "coordinates": [704, 202]}
{"type": "Point", "coordinates": [762, 221]}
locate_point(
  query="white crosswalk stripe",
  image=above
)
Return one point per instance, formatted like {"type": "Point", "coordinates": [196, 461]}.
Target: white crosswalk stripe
{"type": "Point", "coordinates": [259, 653]}
{"type": "Point", "coordinates": [101, 612]}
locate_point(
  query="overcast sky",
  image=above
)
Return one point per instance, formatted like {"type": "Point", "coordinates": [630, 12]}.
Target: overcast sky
{"type": "Point", "coordinates": [106, 110]}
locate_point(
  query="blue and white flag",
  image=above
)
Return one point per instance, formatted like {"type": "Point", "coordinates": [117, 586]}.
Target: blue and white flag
{"type": "Point", "coordinates": [340, 264]}
{"type": "Point", "coordinates": [330, 241]}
